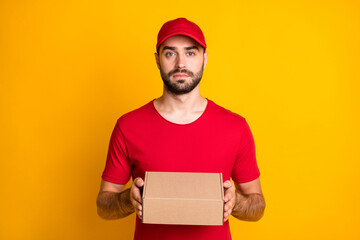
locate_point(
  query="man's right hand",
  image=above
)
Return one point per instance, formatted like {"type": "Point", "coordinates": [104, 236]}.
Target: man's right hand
{"type": "Point", "coordinates": [135, 196]}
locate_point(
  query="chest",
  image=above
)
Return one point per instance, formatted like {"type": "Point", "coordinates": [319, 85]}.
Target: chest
{"type": "Point", "coordinates": [183, 150]}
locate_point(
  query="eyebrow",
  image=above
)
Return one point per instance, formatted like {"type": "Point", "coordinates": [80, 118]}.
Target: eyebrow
{"type": "Point", "coordinates": [170, 48]}
{"type": "Point", "coordinates": [186, 48]}
{"type": "Point", "coordinates": [192, 47]}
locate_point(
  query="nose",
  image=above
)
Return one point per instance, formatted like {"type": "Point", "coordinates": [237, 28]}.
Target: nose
{"type": "Point", "coordinates": [181, 62]}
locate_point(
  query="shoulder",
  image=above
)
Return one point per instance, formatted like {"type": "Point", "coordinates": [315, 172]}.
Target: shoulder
{"type": "Point", "coordinates": [230, 122]}
{"type": "Point", "coordinates": [137, 116]}
{"type": "Point", "coordinates": [225, 115]}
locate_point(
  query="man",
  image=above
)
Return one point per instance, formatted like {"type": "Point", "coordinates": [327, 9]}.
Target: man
{"type": "Point", "coordinates": [181, 131]}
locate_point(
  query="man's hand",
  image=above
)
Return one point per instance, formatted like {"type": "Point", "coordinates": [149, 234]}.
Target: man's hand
{"type": "Point", "coordinates": [229, 198]}
{"type": "Point", "coordinates": [135, 196]}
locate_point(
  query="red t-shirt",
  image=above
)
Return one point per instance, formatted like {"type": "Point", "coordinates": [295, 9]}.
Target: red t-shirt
{"type": "Point", "coordinates": [218, 141]}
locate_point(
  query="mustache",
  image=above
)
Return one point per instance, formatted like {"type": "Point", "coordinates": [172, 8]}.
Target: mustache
{"type": "Point", "coordinates": [191, 74]}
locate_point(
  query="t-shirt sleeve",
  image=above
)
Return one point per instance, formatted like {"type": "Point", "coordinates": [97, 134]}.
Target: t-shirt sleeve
{"type": "Point", "coordinates": [245, 167]}
{"type": "Point", "coordinates": [117, 167]}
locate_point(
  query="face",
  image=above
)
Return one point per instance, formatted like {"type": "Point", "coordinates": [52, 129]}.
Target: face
{"type": "Point", "coordinates": [181, 61]}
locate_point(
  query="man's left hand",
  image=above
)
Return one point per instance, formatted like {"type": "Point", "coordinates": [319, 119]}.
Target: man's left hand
{"type": "Point", "coordinates": [229, 198]}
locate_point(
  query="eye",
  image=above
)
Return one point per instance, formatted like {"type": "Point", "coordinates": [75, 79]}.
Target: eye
{"type": "Point", "coordinates": [191, 54]}
{"type": "Point", "coordinates": [169, 54]}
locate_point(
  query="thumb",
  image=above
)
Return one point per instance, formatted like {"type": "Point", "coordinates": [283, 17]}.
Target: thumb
{"type": "Point", "coordinates": [139, 182]}
{"type": "Point", "coordinates": [227, 184]}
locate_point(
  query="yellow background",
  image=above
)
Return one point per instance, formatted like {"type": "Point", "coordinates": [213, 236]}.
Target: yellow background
{"type": "Point", "coordinates": [69, 69]}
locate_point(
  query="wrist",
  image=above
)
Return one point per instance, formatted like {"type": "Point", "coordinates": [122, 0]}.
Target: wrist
{"type": "Point", "coordinates": [125, 202]}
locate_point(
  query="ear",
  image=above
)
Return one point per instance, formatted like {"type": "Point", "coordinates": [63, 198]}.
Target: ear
{"type": "Point", "coordinates": [205, 58]}
{"type": "Point", "coordinates": [157, 60]}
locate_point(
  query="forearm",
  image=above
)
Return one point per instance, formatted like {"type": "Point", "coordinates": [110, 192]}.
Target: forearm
{"type": "Point", "coordinates": [111, 205]}
{"type": "Point", "coordinates": [248, 207]}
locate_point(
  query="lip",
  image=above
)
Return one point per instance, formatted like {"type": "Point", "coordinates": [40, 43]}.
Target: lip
{"type": "Point", "coordinates": [180, 75]}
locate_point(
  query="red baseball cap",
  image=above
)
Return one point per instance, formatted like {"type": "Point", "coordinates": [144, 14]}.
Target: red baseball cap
{"type": "Point", "coordinates": [181, 26]}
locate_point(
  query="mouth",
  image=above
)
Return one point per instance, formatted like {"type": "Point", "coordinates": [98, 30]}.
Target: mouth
{"type": "Point", "coordinates": [180, 75]}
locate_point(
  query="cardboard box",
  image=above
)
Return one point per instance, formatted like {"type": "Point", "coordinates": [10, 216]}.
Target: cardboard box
{"type": "Point", "coordinates": [183, 198]}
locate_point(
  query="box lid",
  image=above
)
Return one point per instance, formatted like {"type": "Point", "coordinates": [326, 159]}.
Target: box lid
{"type": "Point", "coordinates": [183, 185]}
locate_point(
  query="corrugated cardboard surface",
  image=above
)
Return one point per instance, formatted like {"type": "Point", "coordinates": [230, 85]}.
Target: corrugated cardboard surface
{"type": "Point", "coordinates": [183, 198]}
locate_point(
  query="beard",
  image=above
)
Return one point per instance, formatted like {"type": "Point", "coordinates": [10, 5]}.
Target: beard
{"type": "Point", "coordinates": [179, 86]}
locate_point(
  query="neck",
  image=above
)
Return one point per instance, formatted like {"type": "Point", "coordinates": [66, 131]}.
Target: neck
{"type": "Point", "coordinates": [182, 102]}
{"type": "Point", "coordinates": [184, 108]}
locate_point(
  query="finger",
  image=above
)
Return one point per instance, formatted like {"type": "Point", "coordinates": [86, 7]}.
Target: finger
{"type": "Point", "coordinates": [136, 203]}
{"type": "Point", "coordinates": [139, 182]}
{"type": "Point", "coordinates": [228, 195]}
{"type": "Point", "coordinates": [228, 205]}
{"type": "Point", "coordinates": [135, 191]}
{"type": "Point", "coordinates": [138, 206]}
{"type": "Point", "coordinates": [139, 213]}
{"type": "Point", "coordinates": [227, 184]}
{"type": "Point", "coordinates": [136, 198]}
{"type": "Point", "coordinates": [227, 215]}
{"type": "Point", "coordinates": [136, 195]}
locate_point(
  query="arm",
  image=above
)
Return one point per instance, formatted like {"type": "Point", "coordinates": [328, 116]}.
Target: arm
{"type": "Point", "coordinates": [113, 202]}
{"type": "Point", "coordinates": [246, 202]}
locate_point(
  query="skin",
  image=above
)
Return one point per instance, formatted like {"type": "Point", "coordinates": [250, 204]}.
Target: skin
{"type": "Point", "coordinates": [181, 108]}
{"type": "Point", "coordinates": [179, 54]}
